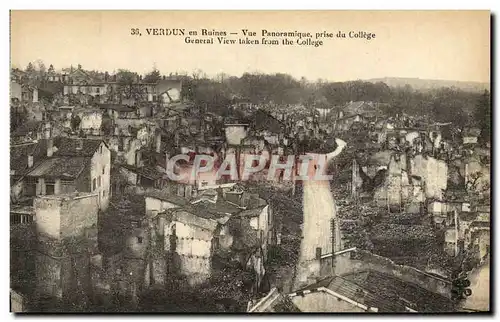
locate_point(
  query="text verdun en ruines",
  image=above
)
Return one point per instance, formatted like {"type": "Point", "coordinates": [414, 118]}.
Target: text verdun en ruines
{"type": "Point", "coordinates": [249, 37]}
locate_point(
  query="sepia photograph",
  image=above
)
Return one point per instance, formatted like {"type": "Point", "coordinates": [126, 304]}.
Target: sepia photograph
{"type": "Point", "coordinates": [250, 162]}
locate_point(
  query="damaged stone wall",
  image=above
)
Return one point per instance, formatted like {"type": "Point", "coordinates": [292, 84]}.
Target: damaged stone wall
{"type": "Point", "coordinates": [77, 215]}
{"type": "Point", "coordinates": [193, 246]}
{"type": "Point", "coordinates": [390, 193]}
{"type": "Point", "coordinates": [434, 174]}
{"type": "Point", "coordinates": [64, 246]}
{"type": "Point", "coordinates": [48, 219]}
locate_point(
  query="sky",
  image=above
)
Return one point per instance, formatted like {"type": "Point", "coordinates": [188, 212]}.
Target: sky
{"type": "Point", "coordinates": [449, 45]}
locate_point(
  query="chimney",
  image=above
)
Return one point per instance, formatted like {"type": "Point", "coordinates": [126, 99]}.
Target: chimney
{"type": "Point", "coordinates": [138, 158]}
{"type": "Point", "coordinates": [30, 161]}
{"type": "Point", "coordinates": [50, 147]}
{"type": "Point", "coordinates": [158, 142]}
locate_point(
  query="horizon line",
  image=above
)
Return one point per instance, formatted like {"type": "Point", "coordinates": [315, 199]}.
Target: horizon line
{"type": "Point", "coordinates": [256, 72]}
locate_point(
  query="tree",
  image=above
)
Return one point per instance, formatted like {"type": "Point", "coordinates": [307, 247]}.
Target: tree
{"type": "Point", "coordinates": [402, 100]}
{"type": "Point", "coordinates": [198, 74]}
{"type": "Point", "coordinates": [42, 70]}
{"type": "Point", "coordinates": [482, 115]}
{"type": "Point", "coordinates": [30, 71]}
{"type": "Point", "coordinates": [128, 86]}
{"type": "Point", "coordinates": [30, 68]}
{"type": "Point", "coordinates": [153, 77]}
{"type": "Point", "coordinates": [222, 77]}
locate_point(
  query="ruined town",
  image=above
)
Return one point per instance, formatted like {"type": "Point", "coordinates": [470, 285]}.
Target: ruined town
{"type": "Point", "coordinates": [98, 225]}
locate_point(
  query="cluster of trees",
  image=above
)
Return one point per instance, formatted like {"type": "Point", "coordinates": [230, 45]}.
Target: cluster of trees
{"type": "Point", "coordinates": [38, 70]}
{"type": "Point", "coordinates": [442, 105]}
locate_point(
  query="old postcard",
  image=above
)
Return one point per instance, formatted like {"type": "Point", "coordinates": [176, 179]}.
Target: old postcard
{"type": "Point", "coordinates": [250, 161]}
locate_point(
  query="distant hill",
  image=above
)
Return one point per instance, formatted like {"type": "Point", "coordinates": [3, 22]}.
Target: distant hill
{"type": "Point", "coordinates": [426, 84]}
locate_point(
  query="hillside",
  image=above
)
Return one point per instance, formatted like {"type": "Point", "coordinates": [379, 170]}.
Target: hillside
{"type": "Point", "coordinates": [426, 84]}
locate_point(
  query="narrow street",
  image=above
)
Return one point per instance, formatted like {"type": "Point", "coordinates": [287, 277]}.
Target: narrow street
{"type": "Point", "coordinates": [319, 213]}
{"type": "Point", "coordinates": [480, 286]}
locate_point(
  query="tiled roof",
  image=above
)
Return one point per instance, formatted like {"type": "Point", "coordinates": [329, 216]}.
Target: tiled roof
{"type": "Point", "coordinates": [60, 167]}
{"type": "Point", "coordinates": [359, 294]}
{"type": "Point", "coordinates": [394, 289]}
{"type": "Point", "coordinates": [360, 107]}
{"type": "Point", "coordinates": [19, 156]}
{"type": "Point", "coordinates": [208, 210]}
{"type": "Point", "coordinates": [70, 147]}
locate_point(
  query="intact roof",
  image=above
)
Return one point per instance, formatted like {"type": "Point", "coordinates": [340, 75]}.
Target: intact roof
{"type": "Point", "coordinates": [217, 210]}
{"type": "Point", "coordinates": [69, 147]}
{"type": "Point", "coordinates": [361, 108]}
{"type": "Point", "coordinates": [60, 167]}
{"type": "Point", "coordinates": [396, 290]}
{"type": "Point", "coordinates": [19, 156]}
{"type": "Point", "coordinates": [359, 294]}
